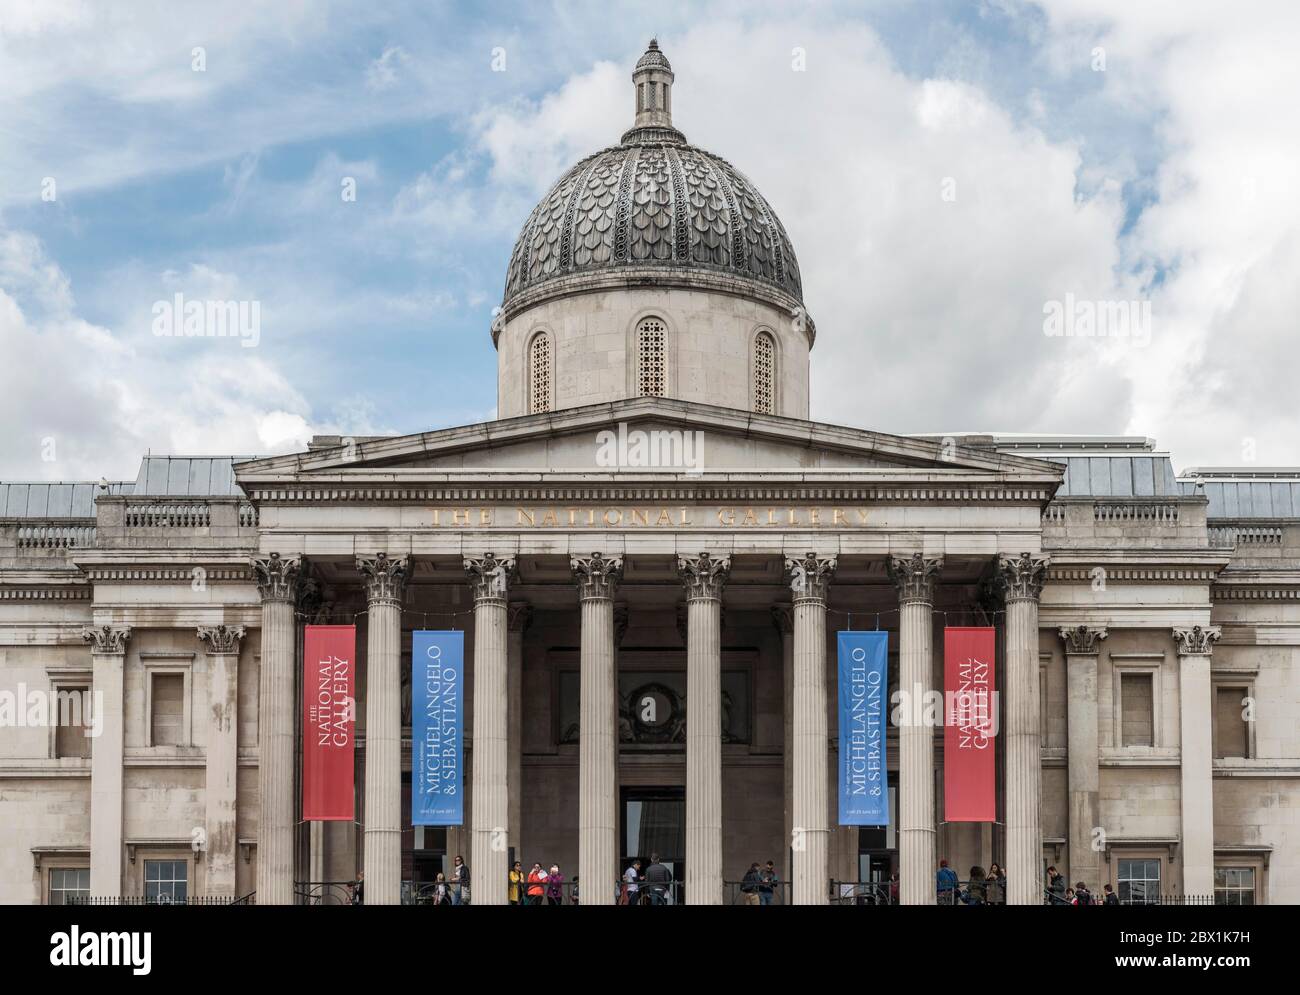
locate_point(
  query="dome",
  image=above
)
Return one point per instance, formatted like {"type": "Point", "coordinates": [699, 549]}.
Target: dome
{"type": "Point", "coordinates": [654, 209]}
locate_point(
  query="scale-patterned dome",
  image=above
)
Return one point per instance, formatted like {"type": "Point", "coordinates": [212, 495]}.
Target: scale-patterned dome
{"type": "Point", "coordinates": [653, 200]}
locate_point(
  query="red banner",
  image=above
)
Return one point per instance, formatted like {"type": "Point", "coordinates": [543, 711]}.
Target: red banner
{"type": "Point", "coordinates": [329, 723]}
{"type": "Point", "coordinates": [970, 725]}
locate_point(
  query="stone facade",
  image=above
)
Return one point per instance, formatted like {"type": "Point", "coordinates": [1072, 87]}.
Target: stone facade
{"type": "Point", "coordinates": [651, 649]}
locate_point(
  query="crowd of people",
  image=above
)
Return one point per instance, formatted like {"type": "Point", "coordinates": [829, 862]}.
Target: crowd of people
{"type": "Point", "coordinates": [990, 888]}
{"type": "Point", "coordinates": [653, 885]}
{"type": "Point", "coordinates": [539, 886]}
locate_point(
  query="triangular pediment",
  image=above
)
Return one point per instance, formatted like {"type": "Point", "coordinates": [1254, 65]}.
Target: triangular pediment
{"type": "Point", "coordinates": [650, 437]}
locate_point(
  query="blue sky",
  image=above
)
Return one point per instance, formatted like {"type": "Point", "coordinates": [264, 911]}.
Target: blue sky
{"type": "Point", "coordinates": [1107, 184]}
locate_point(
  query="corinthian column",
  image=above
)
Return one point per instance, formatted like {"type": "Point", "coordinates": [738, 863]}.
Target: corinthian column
{"type": "Point", "coordinates": [277, 583]}
{"type": "Point", "coordinates": [222, 755]}
{"type": "Point", "coordinates": [597, 576]}
{"type": "Point", "coordinates": [1196, 722]}
{"type": "Point", "coordinates": [703, 577]}
{"type": "Point", "coordinates": [1082, 645]}
{"type": "Point", "coordinates": [914, 577]}
{"type": "Point", "coordinates": [385, 580]}
{"type": "Point", "coordinates": [809, 579]}
{"type": "Point", "coordinates": [1021, 579]}
{"type": "Point", "coordinates": [108, 660]}
{"type": "Point", "coordinates": [783, 619]}
{"type": "Point", "coordinates": [489, 579]}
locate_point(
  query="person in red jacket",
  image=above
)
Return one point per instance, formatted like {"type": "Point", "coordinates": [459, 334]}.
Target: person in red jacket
{"type": "Point", "coordinates": [536, 884]}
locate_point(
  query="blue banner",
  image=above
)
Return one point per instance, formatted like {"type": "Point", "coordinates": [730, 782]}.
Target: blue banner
{"type": "Point", "coordinates": [864, 717]}
{"type": "Point", "coordinates": [437, 732]}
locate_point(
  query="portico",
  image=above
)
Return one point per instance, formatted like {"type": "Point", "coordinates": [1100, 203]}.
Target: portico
{"type": "Point", "coordinates": [607, 565]}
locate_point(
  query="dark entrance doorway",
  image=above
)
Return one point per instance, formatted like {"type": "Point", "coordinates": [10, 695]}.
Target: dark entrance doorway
{"type": "Point", "coordinates": [654, 822]}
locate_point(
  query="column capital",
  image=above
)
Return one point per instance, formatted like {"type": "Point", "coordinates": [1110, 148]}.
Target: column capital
{"type": "Point", "coordinates": [1020, 578]}
{"type": "Point", "coordinates": [385, 577]}
{"type": "Point", "coordinates": [704, 575]}
{"type": "Point", "coordinates": [518, 616]}
{"type": "Point", "coordinates": [597, 575]}
{"type": "Point", "coordinates": [490, 576]}
{"type": "Point", "coordinates": [810, 576]}
{"type": "Point", "coordinates": [914, 576]}
{"type": "Point", "coordinates": [1082, 640]}
{"type": "Point", "coordinates": [1197, 640]}
{"type": "Point", "coordinates": [221, 640]}
{"type": "Point", "coordinates": [783, 618]}
{"type": "Point", "coordinates": [107, 638]}
{"type": "Point", "coordinates": [277, 576]}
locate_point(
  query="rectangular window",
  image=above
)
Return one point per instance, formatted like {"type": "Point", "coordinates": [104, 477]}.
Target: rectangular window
{"type": "Point", "coordinates": [67, 883]}
{"type": "Point", "coordinates": [1234, 886]}
{"type": "Point", "coordinates": [1230, 730]}
{"type": "Point", "coordinates": [73, 714]}
{"type": "Point", "coordinates": [166, 881]}
{"type": "Point", "coordinates": [1138, 722]}
{"type": "Point", "coordinates": [1139, 881]}
{"type": "Point", "coordinates": [168, 718]}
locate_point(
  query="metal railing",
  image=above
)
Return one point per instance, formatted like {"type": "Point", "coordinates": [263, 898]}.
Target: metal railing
{"type": "Point", "coordinates": [756, 893]}
{"type": "Point", "coordinates": [324, 892]}
{"type": "Point", "coordinates": [133, 900]}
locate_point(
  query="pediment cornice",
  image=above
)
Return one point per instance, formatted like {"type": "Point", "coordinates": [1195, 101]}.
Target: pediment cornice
{"type": "Point", "coordinates": [897, 455]}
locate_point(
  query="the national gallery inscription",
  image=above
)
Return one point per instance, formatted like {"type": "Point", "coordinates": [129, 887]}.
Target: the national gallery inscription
{"type": "Point", "coordinates": [649, 517]}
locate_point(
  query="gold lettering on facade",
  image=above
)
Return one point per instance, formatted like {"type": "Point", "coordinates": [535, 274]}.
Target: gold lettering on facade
{"type": "Point", "coordinates": [653, 517]}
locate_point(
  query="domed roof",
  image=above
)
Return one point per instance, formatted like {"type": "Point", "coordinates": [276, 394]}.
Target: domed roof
{"type": "Point", "coordinates": [654, 200]}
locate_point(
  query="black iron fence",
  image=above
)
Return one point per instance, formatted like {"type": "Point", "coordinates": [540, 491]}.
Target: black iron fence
{"type": "Point", "coordinates": [249, 899]}
{"type": "Point", "coordinates": [325, 893]}
{"type": "Point", "coordinates": [553, 893]}
{"type": "Point", "coordinates": [758, 893]}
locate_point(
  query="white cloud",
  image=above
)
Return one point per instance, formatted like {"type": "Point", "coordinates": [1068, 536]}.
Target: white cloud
{"type": "Point", "coordinates": [1219, 379]}
{"type": "Point", "coordinates": [383, 72]}
{"type": "Point", "coordinates": [103, 398]}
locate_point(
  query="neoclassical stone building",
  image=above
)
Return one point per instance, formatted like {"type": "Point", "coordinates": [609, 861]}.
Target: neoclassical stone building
{"type": "Point", "coordinates": [678, 546]}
